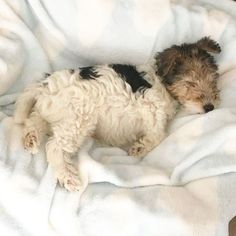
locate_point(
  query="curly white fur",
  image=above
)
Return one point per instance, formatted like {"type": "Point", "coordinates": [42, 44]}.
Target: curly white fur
{"type": "Point", "coordinates": [72, 109]}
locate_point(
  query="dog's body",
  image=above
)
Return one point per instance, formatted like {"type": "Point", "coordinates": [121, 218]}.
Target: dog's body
{"type": "Point", "coordinates": [120, 105]}
{"type": "Point", "coordinates": [99, 104]}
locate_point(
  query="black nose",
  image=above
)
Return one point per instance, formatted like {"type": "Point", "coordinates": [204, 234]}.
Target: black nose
{"type": "Point", "coordinates": [208, 107]}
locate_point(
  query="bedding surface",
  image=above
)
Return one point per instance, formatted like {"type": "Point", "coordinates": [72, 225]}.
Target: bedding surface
{"type": "Point", "coordinates": [185, 187]}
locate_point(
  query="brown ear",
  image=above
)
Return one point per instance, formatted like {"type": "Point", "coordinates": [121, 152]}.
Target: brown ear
{"type": "Point", "coordinates": [208, 45]}
{"type": "Point", "coordinates": [165, 61]}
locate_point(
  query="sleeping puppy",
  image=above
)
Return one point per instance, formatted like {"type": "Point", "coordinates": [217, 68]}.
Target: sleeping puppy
{"type": "Point", "coordinates": [120, 105]}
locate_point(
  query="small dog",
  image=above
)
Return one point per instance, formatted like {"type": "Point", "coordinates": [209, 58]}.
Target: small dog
{"type": "Point", "coordinates": [120, 105]}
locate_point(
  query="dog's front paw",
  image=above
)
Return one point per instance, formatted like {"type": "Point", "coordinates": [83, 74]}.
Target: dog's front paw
{"type": "Point", "coordinates": [30, 142]}
{"type": "Point", "coordinates": [69, 179]}
{"type": "Point", "coordinates": [137, 150]}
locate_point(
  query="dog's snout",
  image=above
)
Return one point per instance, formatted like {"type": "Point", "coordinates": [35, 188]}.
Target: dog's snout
{"type": "Point", "coordinates": [208, 107]}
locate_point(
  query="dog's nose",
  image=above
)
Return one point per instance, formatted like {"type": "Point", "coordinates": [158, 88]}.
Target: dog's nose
{"type": "Point", "coordinates": [208, 107]}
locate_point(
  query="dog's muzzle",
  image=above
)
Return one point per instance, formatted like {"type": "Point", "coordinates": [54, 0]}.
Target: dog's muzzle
{"type": "Point", "coordinates": [208, 107]}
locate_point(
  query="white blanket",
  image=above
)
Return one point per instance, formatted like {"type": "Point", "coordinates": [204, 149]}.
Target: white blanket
{"type": "Point", "coordinates": [185, 187]}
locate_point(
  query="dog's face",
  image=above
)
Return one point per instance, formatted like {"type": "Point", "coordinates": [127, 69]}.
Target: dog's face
{"type": "Point", "coordinates": [189, 73]}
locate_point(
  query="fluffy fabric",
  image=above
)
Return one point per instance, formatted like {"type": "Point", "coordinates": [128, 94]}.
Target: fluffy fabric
{"type": "Point", "coordinates": [198, 154]}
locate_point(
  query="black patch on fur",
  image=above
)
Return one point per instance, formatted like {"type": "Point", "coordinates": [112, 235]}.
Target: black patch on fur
{"type": "Point", "coordinates": [131, 76]}
{"type": "Point", "coordinates": [88, 73]}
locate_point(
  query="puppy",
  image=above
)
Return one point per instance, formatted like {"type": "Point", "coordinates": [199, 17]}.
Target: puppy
{"type": "Point", "coordinates": [120, 105]}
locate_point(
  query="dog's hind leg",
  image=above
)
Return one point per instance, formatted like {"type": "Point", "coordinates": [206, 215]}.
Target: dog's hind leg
{"type": "Point", "coordinates": [62, 165]}
{"type": "Point", "coordinates": [67, 138]}
{"type": "Point", "coordinates": [35, 129]}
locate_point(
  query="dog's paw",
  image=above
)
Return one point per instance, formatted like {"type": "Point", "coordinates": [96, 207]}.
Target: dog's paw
{"type": "Point", "coordinates": [69, 179]}
{"type": "Point", "coordinates": [137, 150]}
{"type": "Point", "coordinates": [30, 142]}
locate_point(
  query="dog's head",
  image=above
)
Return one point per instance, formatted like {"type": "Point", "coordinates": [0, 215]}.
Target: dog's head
{"type": "Point", "coordinates": [189, 73]}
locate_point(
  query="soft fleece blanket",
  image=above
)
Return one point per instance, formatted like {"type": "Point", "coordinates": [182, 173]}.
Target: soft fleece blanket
{"type": "Point", "coordinates": [185, 187]}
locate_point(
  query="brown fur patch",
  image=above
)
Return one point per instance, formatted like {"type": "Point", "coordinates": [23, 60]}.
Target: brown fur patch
{"type": "Point", "coordinates": [189, 72]}
{"type": "Point", "coordinates": [208, 45]}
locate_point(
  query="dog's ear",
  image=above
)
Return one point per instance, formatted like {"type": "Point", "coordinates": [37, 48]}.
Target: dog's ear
{"type": "Point", "coordinates": [208, 45]}
{"type": "Point", "coordinates": [165, 61]}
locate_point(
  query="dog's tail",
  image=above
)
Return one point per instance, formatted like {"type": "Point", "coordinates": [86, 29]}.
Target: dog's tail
{"type": "Point", "coordinates": [24, 104]}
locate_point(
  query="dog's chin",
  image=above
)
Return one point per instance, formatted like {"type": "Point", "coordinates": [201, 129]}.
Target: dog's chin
{"type": "Point", "coordinates": [192, 109]}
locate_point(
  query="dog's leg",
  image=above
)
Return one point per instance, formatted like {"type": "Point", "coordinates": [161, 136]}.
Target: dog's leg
{"type": "Point", "coordinates": [68, 137]}
{"type": "Point", "coordinates": [62, 165]}
{"type": "Point", "coordinates": [35, 129]}
{"type": "Point", "coordinates": [146, 143]}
